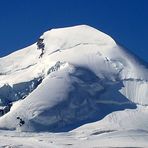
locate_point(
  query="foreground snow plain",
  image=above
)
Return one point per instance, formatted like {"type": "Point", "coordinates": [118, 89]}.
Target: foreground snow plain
{"type": "Point", "coordinates": [86, 91]}
{"type": "Point", "coordinates": [95, 139]}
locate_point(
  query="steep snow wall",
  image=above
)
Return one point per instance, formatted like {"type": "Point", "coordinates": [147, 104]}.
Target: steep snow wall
{"type": "Point", "coordinates": [136, 91]}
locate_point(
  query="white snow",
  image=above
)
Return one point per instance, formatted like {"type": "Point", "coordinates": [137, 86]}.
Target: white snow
{"type": "Point", "coordinates": [83, 76]}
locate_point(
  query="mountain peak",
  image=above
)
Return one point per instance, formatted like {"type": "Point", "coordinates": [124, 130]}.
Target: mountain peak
{"type": "Point", "coordinates": [72, 36]}
{"type": "Point", "coordinates": [67, 78]}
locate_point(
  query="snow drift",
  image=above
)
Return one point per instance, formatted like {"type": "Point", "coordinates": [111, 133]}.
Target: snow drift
{"type": "Point", "coordinates": [83, 76]}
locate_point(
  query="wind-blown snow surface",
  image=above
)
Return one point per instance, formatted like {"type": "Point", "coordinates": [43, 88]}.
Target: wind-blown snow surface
{"type": "Point", "coordinates": [83, 76]}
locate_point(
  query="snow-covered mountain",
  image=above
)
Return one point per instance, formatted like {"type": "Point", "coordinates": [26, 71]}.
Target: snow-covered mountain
{"type": "Point", "coordinates": [82, 77]}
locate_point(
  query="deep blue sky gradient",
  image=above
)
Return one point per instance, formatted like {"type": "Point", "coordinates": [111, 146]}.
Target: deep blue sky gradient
{"type": "Point", "coordinates": [23, 21]}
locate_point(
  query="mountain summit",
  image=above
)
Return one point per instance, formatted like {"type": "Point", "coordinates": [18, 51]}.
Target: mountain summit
{"type": "Point", "coordinates": [70, 77]}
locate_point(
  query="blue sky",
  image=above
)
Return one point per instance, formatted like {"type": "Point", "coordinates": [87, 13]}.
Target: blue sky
{"type": "Point", "coordinates": [23, 21]}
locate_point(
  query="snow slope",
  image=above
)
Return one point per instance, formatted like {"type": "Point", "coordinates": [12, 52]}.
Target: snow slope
{"type": "Point", "coordinates": [83, 76]}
